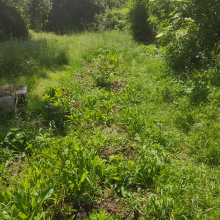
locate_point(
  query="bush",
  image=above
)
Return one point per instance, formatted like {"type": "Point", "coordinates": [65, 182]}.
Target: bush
{"type": "Point", "coordinates": [72, 15]}
{"type": "Point", "coordinates": [140, 27]}
{"type": "Point", "coordinates": [190, 31]}
{"type": "Point", "coordinates": [116, 19]}
{"type": "Point", "coordinates": [12, 25]}
{"type": "Point", "coordinates": [111, 4]}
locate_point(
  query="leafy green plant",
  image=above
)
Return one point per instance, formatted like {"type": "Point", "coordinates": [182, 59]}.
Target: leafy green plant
{"type": "Point", "coordinates": [21, 211]}
{"type": "Point", "coordinates": [151, 50]}
{"type": "Point", "coordinates": [101, 215]}
{"type": "Point", "coordinates": [116, 19]}
{"type": "Point", "coordinates": [106, 66]}
{"type": "Point", "coordinates": [16, 139]}
{"type": "Point", "coordinates": [188, 29]}
{"type": "Point", "coordinates": [59, 105]}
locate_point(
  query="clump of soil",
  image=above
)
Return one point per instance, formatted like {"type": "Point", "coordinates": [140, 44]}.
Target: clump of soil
{"type": "Point", "coordinates": [112, 207]}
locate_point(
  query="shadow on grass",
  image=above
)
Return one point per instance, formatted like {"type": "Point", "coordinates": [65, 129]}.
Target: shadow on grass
{"type": "Point", "coordinates": [20, 130]}
{"type": "Point", "coordinates": [5, 117]}
{"type": "Point", "coordinates": [25, 59]}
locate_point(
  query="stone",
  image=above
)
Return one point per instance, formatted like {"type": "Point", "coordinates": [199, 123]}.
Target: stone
{"type": "Point", "coordinates": [10, 97]}
{"type": "Point", "coordinates": [8, 89]}
{"type": "Point", "coordinates": [6, 101]}
{"type": "Point", "coordinates": [20, 95]}
{"type": "Point", "coordinates": [22, 91]}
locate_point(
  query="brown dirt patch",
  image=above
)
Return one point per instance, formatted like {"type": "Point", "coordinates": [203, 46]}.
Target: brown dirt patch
{"type": "Point", "coordinates": [83, 210]}
{"type": "Point", "coordinates": [112, 207]}
{"type": "Point", "coordinates": [15, 167]}
{"type": "Point", "coordinates": [80, 211]}
{"type": "Point", "coordinates": [118, 85]}
{"type": "Point", "coordinates": [107, 153]}
{"type": "Point", "coordinates": [130, 153]}
{"type": "Point", "coordinates": [78, 77]}
{"type": "Point", "coordinates": [112, 130]}
{"type": "Point", "coordinates": [89, 70]}
{"type": "Point", "coordinates": [109, 204]}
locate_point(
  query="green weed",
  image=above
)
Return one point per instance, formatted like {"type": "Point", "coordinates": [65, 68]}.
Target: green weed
{"type": "Point", "coordinates": [151, 145]}
{"type": "Point", "coordinates": [28, 58]}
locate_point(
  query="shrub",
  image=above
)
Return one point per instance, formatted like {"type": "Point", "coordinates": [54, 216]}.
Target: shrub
{"type": "Point", "coordinates": [12, 25]}
{"type": "Point", "coordinates": [72, 15]}
{"type": "Point", "coordinates": [116, 19]}
{"type": "Point", "coordinates": [189, 30]}
{"type": "Point", "coordinates": [139, 18]}
{"type": "Point", "coordinates": [110, 4]}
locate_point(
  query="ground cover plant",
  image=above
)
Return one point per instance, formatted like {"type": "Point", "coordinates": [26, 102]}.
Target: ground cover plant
{"type": "Point", "coordinates": [109, 133]}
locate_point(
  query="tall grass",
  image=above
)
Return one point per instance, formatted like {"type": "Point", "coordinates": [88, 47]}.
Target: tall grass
{"type": "Point", "coordinates": [145, 142]}
{"type": "Point", "coordinates": [25, 58]}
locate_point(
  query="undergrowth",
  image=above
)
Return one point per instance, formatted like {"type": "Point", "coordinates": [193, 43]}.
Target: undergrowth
{"type": "Point", "coordinates": [29, 58]}
{"type": "Point", "coordinates": [112, 136]}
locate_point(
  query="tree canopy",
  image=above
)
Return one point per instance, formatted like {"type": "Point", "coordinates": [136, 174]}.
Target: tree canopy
{"type": "Point", "coordinates": [12, 26]}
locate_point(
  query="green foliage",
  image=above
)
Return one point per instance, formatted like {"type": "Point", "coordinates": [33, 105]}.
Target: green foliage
{"type": "Point", "coordinates": [139, 18]}
{"type": "Point", "coordinates": [21, 211]}
{"type": "Point", "coordinates": [111, 4]}
{"type": "Point", "coordinates": [27, 57]}
{"type": "Point", "coordinates": [12, 25]}
{"type": "Point", "coordinates": [16, 139]}
{"type": "Point", "coordinates": [113, 15]}
{"type": "Point", "coordinates": [107, 63]}
{"type": "Point", "coordinates": [147, 150]}
{"type": "Point", "coordinates": [34, 12]}
{"type": "Point", "coordinates": [102, 216]}
{"type": "Point", "coordinates": [189, 30]}
{"type": "Point", "coordinates": [59, 104]}
{"type": "Point", "coordinates": [38, 12]}
{"type": "Point", "coordinates": [71, 15]}
{"type": "Point", "coordinates": [112, 19]}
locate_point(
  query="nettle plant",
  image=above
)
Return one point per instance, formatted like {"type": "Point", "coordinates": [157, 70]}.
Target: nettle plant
{"type": "Point", "coordinates": [60, 104]}
{"type": "Point", "coordinates": [106, 65]}
{"type": "Point", "coordinates": [189, 29]}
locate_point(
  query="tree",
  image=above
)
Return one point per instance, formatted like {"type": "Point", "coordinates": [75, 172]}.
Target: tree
{"type": "Point", "coordinates": [189, 30]}
{"type": "Point", "coordinates": [34, 12]}
{"type": "Point", "coordinates": [12, 26]}
{"type": "Point", "coordinates": [38, 12]}
{"type": "Point", "coordinates": [140, 27]}
{"type": "Point", "coordinates": [71, 15]}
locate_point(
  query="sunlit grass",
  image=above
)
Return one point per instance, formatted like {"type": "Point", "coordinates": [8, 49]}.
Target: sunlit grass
{"type": "Point", "coordinates": [139, 142]}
